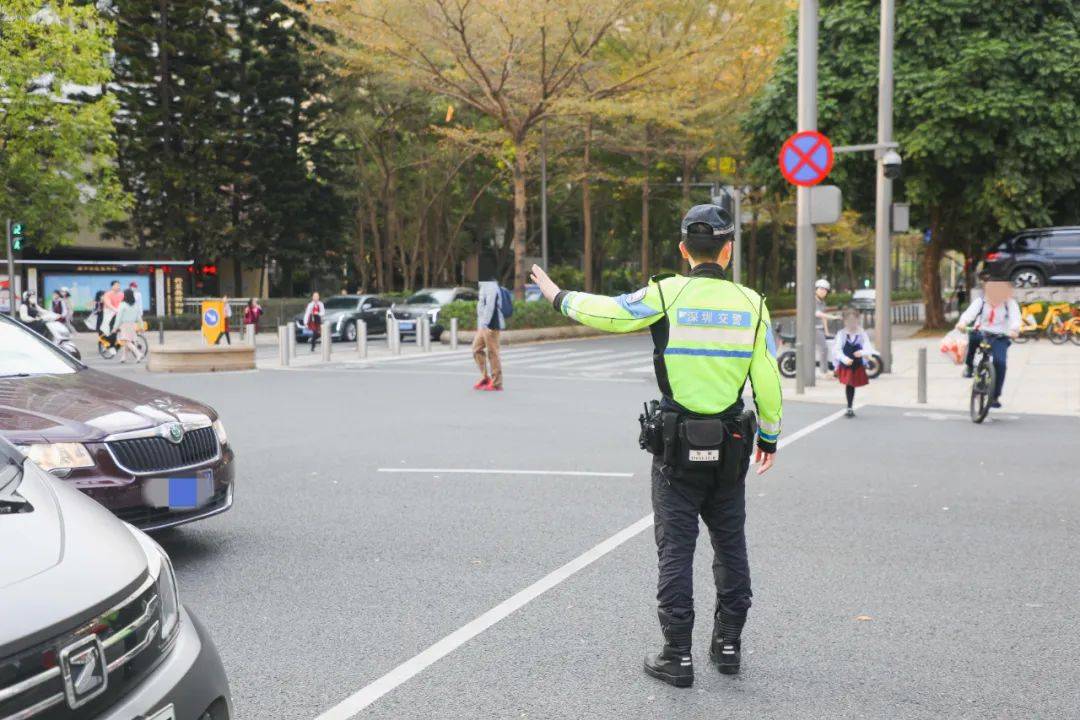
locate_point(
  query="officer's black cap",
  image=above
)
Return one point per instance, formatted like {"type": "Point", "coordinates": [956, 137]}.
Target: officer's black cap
{"type": "Point", "coordinates": [715, 217]}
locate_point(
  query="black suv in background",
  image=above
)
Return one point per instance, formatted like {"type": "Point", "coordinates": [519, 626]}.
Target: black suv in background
{"type": "Point", "coordinates": [1032, 258]}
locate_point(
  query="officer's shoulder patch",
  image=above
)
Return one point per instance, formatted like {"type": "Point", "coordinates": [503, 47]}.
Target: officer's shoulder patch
{"type": "Point", "coordinates": [637, 296]}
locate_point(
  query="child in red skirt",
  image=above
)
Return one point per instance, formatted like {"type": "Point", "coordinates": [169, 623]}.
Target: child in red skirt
{"type": "Point", "coordinates": [850, 346]}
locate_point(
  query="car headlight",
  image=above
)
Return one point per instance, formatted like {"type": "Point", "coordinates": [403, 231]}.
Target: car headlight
{"type": "Point", "coordinates": [59, 456]}
{"type": "Point", "coordinates": [168, 596]}
{"type": "Point", "coordinates": [219, 430]}
{"type": "Point", "coordinates": [434, 314]}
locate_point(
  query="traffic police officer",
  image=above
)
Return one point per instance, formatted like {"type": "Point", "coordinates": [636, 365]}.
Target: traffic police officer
{"type": "Point", "coordinates": [710, 336]}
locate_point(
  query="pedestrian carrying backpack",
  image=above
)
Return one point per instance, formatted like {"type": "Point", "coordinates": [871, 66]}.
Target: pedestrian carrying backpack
{"type": "Point", "coordinates": [506, 302]}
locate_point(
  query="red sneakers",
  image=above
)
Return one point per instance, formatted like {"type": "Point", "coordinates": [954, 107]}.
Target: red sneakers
{"type": "Point", "coordinates": [484, 384]}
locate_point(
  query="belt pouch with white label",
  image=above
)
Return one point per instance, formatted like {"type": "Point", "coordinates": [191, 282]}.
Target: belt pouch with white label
{"type": "Point", "coordinates": [701, 442]}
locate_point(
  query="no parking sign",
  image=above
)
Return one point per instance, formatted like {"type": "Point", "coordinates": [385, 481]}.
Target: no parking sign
{"type": "Point", "coordinates": [806, 158]}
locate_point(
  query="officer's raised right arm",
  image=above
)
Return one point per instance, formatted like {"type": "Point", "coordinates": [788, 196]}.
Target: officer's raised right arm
{"type": "Point", "coordinates": [620, 314]}
{"type": "Point", "coordinates": [765, 379]}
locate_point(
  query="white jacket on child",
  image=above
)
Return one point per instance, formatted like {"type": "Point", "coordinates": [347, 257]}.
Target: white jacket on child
{"type": "Point", "coordinates": [858, 337]}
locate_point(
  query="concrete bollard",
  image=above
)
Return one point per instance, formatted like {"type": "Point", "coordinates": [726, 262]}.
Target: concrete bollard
{"type": "Point", "coordinates": [427, 334]}
{"type": "Point", "coordinates": [361, 339]}
{"type": "Point", "coordinates": [291, 335]}
{"type": "Point", "coordinates": [922, 376]}
{"type": "Point", "coordinates": [161, 331]}
{"type": "Point", "coordinates": [395, 336]}
{"type": "Point", "coordinates": [283, 333]}
{"type": "Point", "coordinates": [327, 342]}
{"type": "Point", "coordinates": [453, 333]}
{"type": "Point", "coordinates": [420, 331]}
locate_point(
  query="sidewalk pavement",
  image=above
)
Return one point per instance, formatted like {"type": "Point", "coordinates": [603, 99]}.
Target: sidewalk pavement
{"type": "Point", "coordinates": [1042, 378]}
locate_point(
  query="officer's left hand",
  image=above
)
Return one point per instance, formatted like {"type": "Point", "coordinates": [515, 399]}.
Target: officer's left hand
{"type": "Point", "coordinates": [546, 284]}
{"type": "Point", "coordinates": [763, 460]}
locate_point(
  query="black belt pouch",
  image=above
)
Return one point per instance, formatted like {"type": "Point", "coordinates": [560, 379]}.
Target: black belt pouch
{"type": "Point", "coordinates": [701, 442]}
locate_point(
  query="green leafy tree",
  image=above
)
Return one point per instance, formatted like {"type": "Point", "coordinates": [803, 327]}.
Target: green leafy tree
{"type": "Point", "coordinates": [56, 135]}
{"type": "Point", "coordinates": [987, 101]}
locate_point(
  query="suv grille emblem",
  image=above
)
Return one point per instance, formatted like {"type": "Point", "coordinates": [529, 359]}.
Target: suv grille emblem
{"type": "Point", "coordinates": [82, 665]}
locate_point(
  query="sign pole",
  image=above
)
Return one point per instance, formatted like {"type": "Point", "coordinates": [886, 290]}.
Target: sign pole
{"type": "Point", "coordinates": [805, 237]}
{"type": "Point", "coordinates": [10, 271]}
{"type": "Point", "coordinates": [883, 199]}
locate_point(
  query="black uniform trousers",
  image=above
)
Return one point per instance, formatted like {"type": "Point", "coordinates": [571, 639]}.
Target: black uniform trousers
{"type": "Point", "coordinates": [679, 497]}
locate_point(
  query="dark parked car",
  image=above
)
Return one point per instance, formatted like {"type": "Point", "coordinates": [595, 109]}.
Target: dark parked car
{"type": "Point", "coordinates": [1037, 257]}
{"type": "Point", "coordinates": [155, 459]}
{"type": "Point", "coordinates": [92, 625]}
{"type": "Point", "coordinates": [343, 312]}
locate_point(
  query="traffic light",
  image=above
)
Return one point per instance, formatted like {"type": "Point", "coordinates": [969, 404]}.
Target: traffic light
{"type": "Point", "coordinates": [16, 236]}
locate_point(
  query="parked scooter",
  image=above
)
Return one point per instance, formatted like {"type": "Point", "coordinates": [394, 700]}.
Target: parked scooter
{"type": "Point", "coordinates": [785, 360]}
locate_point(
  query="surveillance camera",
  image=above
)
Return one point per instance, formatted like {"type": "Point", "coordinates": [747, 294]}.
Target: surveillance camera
{"type": "Point", "coordinates": [891, 161]}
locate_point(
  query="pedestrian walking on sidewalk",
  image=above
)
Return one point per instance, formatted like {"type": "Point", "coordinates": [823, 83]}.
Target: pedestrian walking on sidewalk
{"type": "Point", "coordinates": [822, 288]}
{"type": "Point", "coordinates": [252, 313]}
{"type": "Point", "coordinates": [850, 346]}
{"type": "Point", "coordinates": [711, 336]}
{"type": "Point", "coordinates": [127, 319]}
{"type": "Point", "coordinates": [490, 321]}
{"type": "Point", "coordinates": [313, 315]}
{"type": "Point", "coordinates": [226, 312]}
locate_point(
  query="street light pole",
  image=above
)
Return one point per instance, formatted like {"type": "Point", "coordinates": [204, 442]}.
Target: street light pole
{"type": "Point", "coordinates": [805, 238]}
{"type": "Point", "coordinates": [883, 199]}
{"type": "Point", "coordinates": [736, 260]}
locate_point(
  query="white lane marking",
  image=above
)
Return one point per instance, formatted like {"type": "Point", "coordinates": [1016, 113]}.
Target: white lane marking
{"type": "Point", "coordinates": [554, 361]}
{"type": "Point", "coordinates": [368, 694]}
{"type": "Point", "coordinates": [410, 668]}
{"type": "Point", "coordinates": [491, 471]}
{"type": "Point", "coordinates": [511, 377]}
{"type": "Point", "coordinates": [597, 363]}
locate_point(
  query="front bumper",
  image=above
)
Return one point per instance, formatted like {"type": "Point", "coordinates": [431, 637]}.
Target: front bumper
{"type": "Point", "coordinates": [191, 678]}
{"type": "Point", "coordinates": [124, 495]}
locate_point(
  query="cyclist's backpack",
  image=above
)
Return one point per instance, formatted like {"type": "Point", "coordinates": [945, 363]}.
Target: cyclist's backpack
{"type": "Point", "coordinates": [506, 302]}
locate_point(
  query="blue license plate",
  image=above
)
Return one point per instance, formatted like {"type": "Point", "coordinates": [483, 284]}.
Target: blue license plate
{"type": "Point", "coordinates": [407, 325]}
{"type": "Point", "coordinates": [184, 492]}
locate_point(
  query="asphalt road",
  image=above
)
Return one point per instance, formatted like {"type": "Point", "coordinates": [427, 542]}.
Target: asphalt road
{"type": "Point", "coordinates": [956, 544]}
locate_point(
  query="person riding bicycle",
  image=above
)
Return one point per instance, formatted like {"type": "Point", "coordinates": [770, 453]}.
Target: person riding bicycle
{"type": "Point", "coordinates": [994, 317]}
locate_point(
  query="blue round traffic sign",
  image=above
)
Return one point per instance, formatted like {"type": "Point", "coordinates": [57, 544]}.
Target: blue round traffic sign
{"type": "Point", "coordinates": [806, 158]}
{"type": "Point", "coordinates": [211, 317]}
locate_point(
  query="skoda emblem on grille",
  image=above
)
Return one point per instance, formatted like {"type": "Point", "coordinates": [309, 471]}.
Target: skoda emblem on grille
{"type": "Point", "coordinates": [173, 432]}
{"type": "Point", "coordinates": [82, 665]}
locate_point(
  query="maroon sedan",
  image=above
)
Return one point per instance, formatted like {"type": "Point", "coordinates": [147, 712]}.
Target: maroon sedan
{"type": "Point", "coordinates": [153, 458]}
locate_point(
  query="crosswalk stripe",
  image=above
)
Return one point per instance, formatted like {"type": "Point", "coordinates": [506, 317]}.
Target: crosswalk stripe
{"type": "Point", "coordinates": [579, 358]}
{"type": "Point", "coordinates": [597, 360]}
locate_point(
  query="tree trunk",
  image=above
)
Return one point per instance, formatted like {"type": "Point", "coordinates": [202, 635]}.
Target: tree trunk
{"type": "Point", "coordinates": [849, 267]}
{"type": "Point", "coordinates": [752, 249]}
{"type": "Point", "coordinates": [520, 200]}
{"type": "Point", "coordinates": [931, 277]}
{"type": "Point", "coordinates": [687, 166]}
{"type": "Point", "coordinates": [774, 256]}
{"type": "Point", "coordinates": [361, 251]}
{"type": "Point", "coordinates": [238, 277]}
{"type": "Point", "coordinates": [645, 226]}
{"type": "Point", "coordinates": [586, 212]}
{"type": "Point", "coordinates": [377, 245]}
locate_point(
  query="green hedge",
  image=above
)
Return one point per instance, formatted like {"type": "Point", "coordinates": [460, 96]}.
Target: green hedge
{"type": "Point", "coordinates": [536, 314]}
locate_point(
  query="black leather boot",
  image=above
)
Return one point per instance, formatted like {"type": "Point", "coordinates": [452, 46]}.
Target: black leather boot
{"type": "Point", "coordinates": [725, 651]}
{"type": "Point", "coordinates": [674, 664]}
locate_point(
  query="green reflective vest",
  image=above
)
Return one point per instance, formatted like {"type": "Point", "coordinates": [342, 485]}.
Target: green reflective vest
{"type": "Point", "coordinates": [710, 335]}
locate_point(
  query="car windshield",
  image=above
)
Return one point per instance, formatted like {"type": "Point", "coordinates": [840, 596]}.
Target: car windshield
{"type": "Point", "coordinates": [24, 352]}
{"type": "Point", "coordinates": [422, 299]}
{"type": "Point", "coordinates": [340, 303]}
